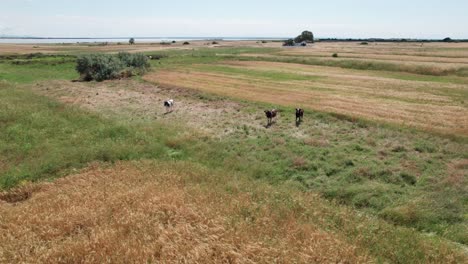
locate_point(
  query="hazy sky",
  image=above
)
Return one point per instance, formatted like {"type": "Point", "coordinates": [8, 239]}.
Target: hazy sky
{"type": "Point", "coordinates": [235, 18]}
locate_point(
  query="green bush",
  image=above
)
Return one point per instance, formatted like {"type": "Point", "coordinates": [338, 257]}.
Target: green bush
{"type": "Point", "coordinates": [137, 61]}
{"type": "Point", "coordinates": [100, 67]}
{"type": "Point", "coordinates": [289, 42]}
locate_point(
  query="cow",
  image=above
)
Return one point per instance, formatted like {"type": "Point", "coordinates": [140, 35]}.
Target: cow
{"type": "Point", "coordinates": [169, 104]}
{"type": "Point", "coordinates": [270, 114]}
{"type": "Point", "coordinates": [299, 114]}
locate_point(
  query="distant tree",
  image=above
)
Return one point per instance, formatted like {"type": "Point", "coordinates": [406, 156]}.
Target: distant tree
{"type": "Point", "coordinates": [305, 36]}
{"type": "Point", "coordinates": [447, 40]}
{"type": "Point", "coordinates": [131, 41]}
{"type": "Point", "coordinates": [289, 42]}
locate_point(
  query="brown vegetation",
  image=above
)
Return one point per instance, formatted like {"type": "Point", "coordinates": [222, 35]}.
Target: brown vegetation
{"type": "Point", "coordinates": [137, 212]}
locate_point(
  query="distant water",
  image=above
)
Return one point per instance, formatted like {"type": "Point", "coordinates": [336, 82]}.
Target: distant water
{"type": "Point", "coordinates": [123, 40]}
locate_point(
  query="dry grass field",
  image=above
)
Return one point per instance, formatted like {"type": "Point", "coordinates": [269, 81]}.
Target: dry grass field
{"type": "Point", "coordinates": [79, 48]}
{"type": "Point", "coordinates": [434, 100]}
{"type": "Point", "coordinates": [141, 212]}
{"type": "Point", "coordinates": [432, 106]}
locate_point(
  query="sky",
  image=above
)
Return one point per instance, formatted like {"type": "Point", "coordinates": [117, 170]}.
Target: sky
{"type": "Point", "coordinates": [235, 18]}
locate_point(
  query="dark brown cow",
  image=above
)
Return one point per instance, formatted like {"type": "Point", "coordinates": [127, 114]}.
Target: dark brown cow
{"type": "Point", "coordinates": [270, 114]}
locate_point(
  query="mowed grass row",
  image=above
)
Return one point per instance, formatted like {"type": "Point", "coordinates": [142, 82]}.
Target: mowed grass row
{"type": "Point", "coordinates": [436, 113]}
{"type": "Point", "coordinates": [367, 65]}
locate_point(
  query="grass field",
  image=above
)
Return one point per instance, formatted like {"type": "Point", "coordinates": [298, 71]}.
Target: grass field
{"type": "Point", "coordinates": [375, 173]}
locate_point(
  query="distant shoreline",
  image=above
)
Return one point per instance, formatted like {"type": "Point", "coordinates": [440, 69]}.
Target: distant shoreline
{"type": "Point", "coordinates": [71, 40]}
{"type": "Point", "coordinates": [55, 40]}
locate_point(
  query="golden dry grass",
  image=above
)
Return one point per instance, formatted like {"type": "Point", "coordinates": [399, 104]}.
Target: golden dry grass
{"type": "Point", "coordinates": [405, 51]}
{"type": "Point", "coordinates": [422, 104]}
{"type": "Point", "coordinates": [146, 212]}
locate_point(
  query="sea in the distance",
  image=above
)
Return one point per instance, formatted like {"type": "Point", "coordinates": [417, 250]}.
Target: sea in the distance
{"type": "Point", "coordinates": [123, 40]}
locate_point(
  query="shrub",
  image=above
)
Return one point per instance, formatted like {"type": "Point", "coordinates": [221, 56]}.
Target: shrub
{"type": "Point", "coordinates": [289, 42]}
{"type": "Point", "coordinates": [186, 43]}
{"type": "Point", "coordinates": [335, 55]}
{"type": "Point", "coordinates": [100, 67]}
{"type": "Point", "coordinates": [214, 43]}
{"type": "Point", "coordinates": [136, 60]}
{"type": "Point", "coordinates": [131, 41]}
{"type": "Point", "coordinates": [364, 43]}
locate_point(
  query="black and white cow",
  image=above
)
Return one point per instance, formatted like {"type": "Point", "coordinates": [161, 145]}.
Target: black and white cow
{"type": "Point", "coordinates": [169, 104]}
{"type": "Point", "coordinates": [299, 114]}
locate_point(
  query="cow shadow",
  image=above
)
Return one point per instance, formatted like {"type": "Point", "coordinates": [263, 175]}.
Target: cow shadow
{"type": "Point", "coordinates": [270, 124]}
{"type": "Point", "coordinates": [298, 122]}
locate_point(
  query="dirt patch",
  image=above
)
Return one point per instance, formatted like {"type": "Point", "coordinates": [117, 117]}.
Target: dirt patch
{"type": "Point", "coordinates": [458, 173]}
{"type": "Point", "coordinates": [20, 194]}
{"type": "Point", "coordinates": [137, 101]}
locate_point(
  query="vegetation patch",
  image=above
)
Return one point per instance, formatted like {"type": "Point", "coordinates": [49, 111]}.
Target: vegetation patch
{"type": "Point", "coordinates": [100, 67]}
{"type": "Point", "coordinates": [40, 138]}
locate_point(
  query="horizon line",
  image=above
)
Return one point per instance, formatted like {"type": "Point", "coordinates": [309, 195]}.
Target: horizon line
{"type": "Point", "coordinates": [221, 37]}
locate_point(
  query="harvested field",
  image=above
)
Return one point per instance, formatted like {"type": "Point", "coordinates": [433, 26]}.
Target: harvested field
{"type": "Point", "coordinates": [432, 106]}
{"type": "Point", "coordinates": [389, 50]}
